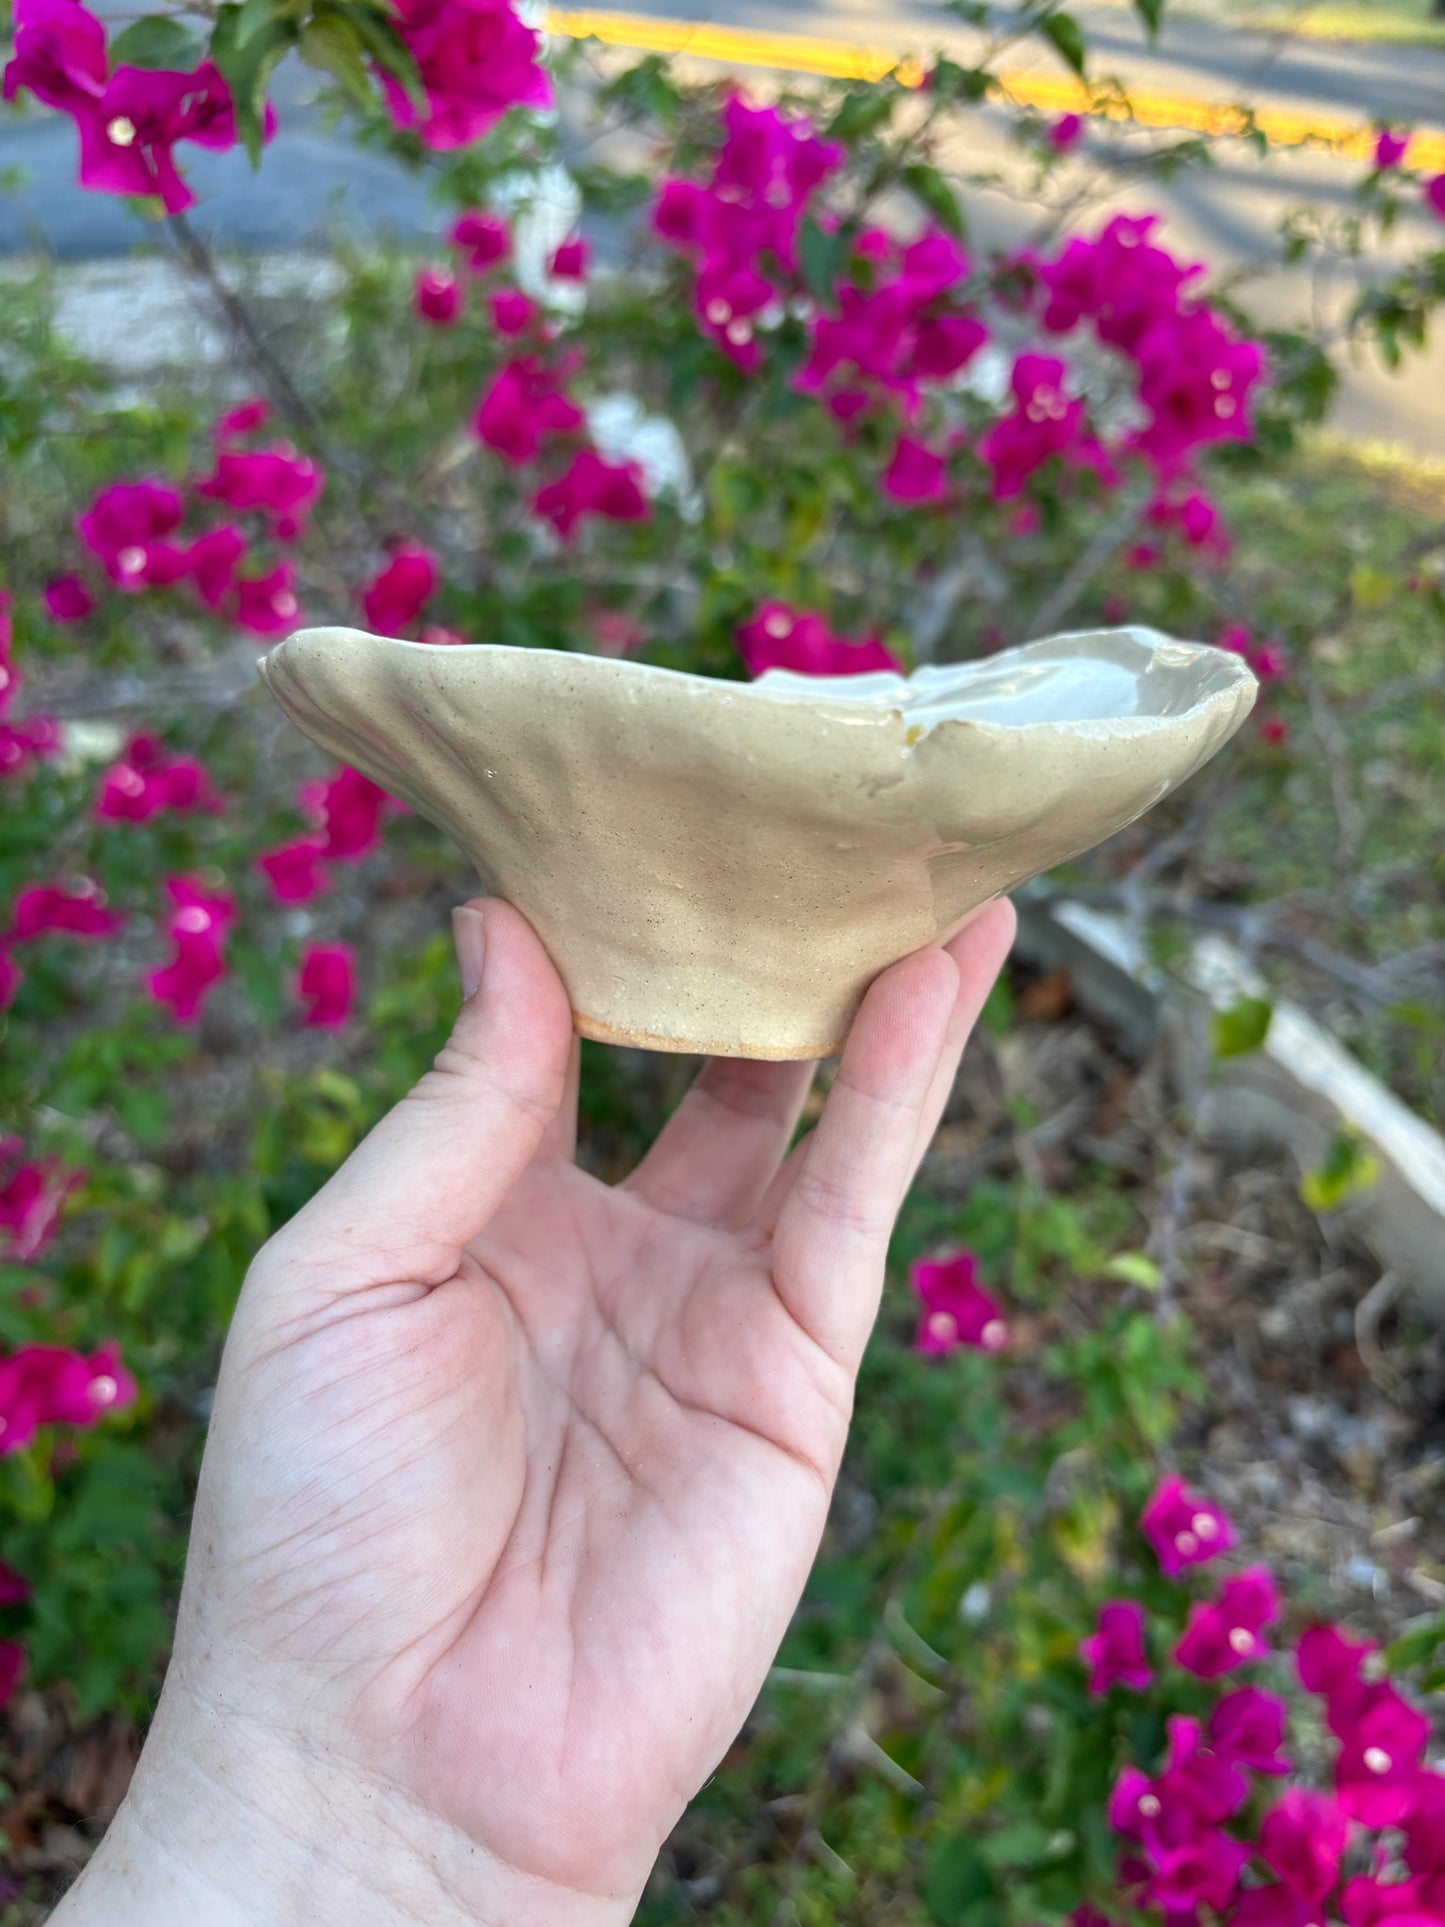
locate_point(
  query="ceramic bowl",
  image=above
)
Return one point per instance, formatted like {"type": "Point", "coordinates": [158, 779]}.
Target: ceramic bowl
{"type": "Point", "coordinates": [723, 867]}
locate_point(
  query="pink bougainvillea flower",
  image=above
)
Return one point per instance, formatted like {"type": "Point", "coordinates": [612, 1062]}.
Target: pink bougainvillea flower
{"type": "Point", "coordinates": [481, 239]}
{"type": "Point", "coordinates": [1133, 1804]}
{"type": "Point", "coordinates": [266, 605]}
{"type": "Point", "coordinates": [1183, 1527]}
{"type": "Point", "coordinates": [592, 486]}
{"type": "Point", "coordinates": [525, 409]}
{"type": "Point", "coordinates": [955, 1309]}
{"type": "Point", "coordinates": [1274, 1906]}
{"type": "Point", "coordinates": [12, 1664]}
{"type": "Point", "coordinates": [1119, 281]}
{"type": "Point", "coordinates": [128, 135]}
{"type": "Point", "coordinates": [125, 529]}
{"type": "Point", "coordinates": [14, 1587]}
{"type": "Point", "coordinates": [1195, 378]}
{"type": "Point", "coordinates": [436, 635]}
{"type": "Point", "coordinates": [396, 596]}
{"type": "Point", "coordinates": [239, 422]}
{"type": "Point", "coordinates": [781, 637]}
{"type": "Point", "coordinates": [1435, 195]}
{"type": "Point", "coordinates": [1273, 732]}
{"type": "Point", "coordinates": [1366, 1902]}
{"type": "Point", "coordinates": [1331, 1665]}
{"type": "Point", "coordinates": [1066, 132]}
{"type": "Point", "coordinates": [146, 782]}
{"type": "Point", "coordinates": [943, 345]}
{"type": "Point", "coordinates": [67, 599]}
{"type": "Point", "coordinates": [616, 634]}
{"type": "Point", "coordinates": [74, 908]}
{"type": "Point", "coordinates": [476, 59]}
{"type": "Point", "coordinates": [1228, 1632]}
{"type": "Point", "coordinates": [1270, 661]}
{"type": "Point", "coordinates": [326, 983]}
{"type": "Point", "coordinates": [1198, 1786]}
{"type": "Point", "coordinates": [1044, 422]}
{"type": "Point", "coordinates": [21, 744]}
{"type": "Point", "coordinates": [1382, 1739]}
{"type": "Point", "coordinates": [1390, 149]}
{"type": "Point", "coordinates": [348, 809]}
{"type": "Point", "coordinates": [570, 262]}
{"type": "Point", "coordinates": [1303, 1840]}
{"type": "Point", "coordinates": [1203, 1871]}
{"type": "Point", "coordinates": [512, 311]}
{"type": "Point", "coordinates": [1115, 1654]}
{"type": "Point", "coordinates": [59, 54]}
{"type": "Point", "coordinates": [296, 871]}
{"type": "Point", "coordinates": [197, 930]}
{"type": "Point", "coordinates": [437, 297]}
{"type": "Point", "coordinates": [1424, 1825]}
{"type": "Point", "coordinates": [32, 1192]}
{"type": "Point", "coordinates": [213, 560]}
{"type": "Point", "coordinates": [915, 473]}
{"type": "Point", "coordinates": [79, 1390]}
{"type": "Point", "coordinates": [1247, 1726]}
{"type": "Point", "coordinates": [282, 484]}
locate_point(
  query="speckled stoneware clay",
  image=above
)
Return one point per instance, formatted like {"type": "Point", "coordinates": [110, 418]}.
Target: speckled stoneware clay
{"type": "Point", "coordinates": [724, 867]}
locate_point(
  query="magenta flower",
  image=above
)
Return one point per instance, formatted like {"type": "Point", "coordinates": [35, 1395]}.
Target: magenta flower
{"type": "Point", "coordinates": [570, 262]}
{"type": "Point", "coordinates": [956, 1310]}
{"type": "Point", "coordinates": [1120, 282]}
{"type": "Point", "coordinates": [476, 60]}
{"type": "Point", "coordinates": [32, 1193]}
{"type": "Point", "coordinates": [915, 473]}
{"type": "Point", "coordinates": [197, 930]}
{"type": "Point", "coordinates": [1044, 422]}
{"type": "Point", "coordinates": [592, 486]}
{"type": "Point", "coordinates": [281, 484]}
{"type": "Point", "coordinates": [1435, 195]}
{"type": "Point", "coordinates": [75, 908]}
{"type": "Point", "coordinates": [239, 422]}
{"type": "Point", "coordinates": [1183, 1527]}
{"type": "Point", "coordinates": [146, 783]}
{"type": "Point", "coordinates": [1198, 1786]}
{"type": "Point", "coordinates": [23, 743]}
{"type": "Point", "coordinates": [128, 135]}
{"type": "Point", "coordinates": [213, 560]}
{"type": "Point", "coordinates": [125, 529]}
{"type": "Point", "coordinates": [1247, 1727]}
{"type": "Point", "coordinates": [1424, 1824]}
{"type": "Point", "coordinates": [944, 344]}
{"type": "Point", "coordinates": [524, 410]}
{"type": "Point", "coordinates": [1066, 132]}
{"type": "Point", "coordinates": [1365, 1902]}
{"type": "Point", "coordinates": [396, 596]}
{"type": "Point", "coordinates": [481, 239]}
{"type": "Point", "coordinates": [1227, 1632]}
{"type": "Point", "coordinates": [1330, 1665]}
{"type": "Point", "coordinates": [348, 810]}
{"type": "Point", "coordinates": [327, 983]}
{"type": "Point", "coordinates": [780, 637]}
{"type": "Point", "coordinates": [47, 1385]}
{"type": "Point", "coordinates": [1303, 1840]}
{"type": "Point", "coordinates": [1204, 1871]}
{"type": "Point", "coordinates": [266, 605]}
{"type": "Point", "coordinates": [437, 297]}
{"type": "Point", "coordinates": [296, 871]}
{"type": "Point", "coordinates": [1390, 149]}
{"type": "Point", "coordinates": [1115, 1654]}
{"type": "Point", "coordinates": [1378, 1767]}
{"type": "Point", "coordinates": [59, 54]}
{"type": "Point", "coordinates": [1274, 1906]}
{"type": "Point", "coordinates": [67, 599]}
{"type": "Point", "coordinates": [1195, 378]}
{"type": "Point", "coordinates": [512, 311]}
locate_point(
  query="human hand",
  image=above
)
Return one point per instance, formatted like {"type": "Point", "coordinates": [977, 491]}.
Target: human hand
{"type": "Point", "coordinates": [514, 1479]}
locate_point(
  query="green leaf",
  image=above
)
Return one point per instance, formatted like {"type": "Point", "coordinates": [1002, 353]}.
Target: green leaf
{"type": "Point", "coordinates": [958, 1888]}
{"type": "Point", "coordinates": [1134, 1268]}
{"type": "Point", "coordinates": [380, 39]}
{"type": "Point", "coordinates": [1414, 1648]}
{"type": "Point", "coordinates": [1349, 1168]}
{"type": "Point", "coordinates": [156, 42]}
{"type": "Point", "coordinates": [821, 256]}
{"type": "Point", "coordinates": [1066, 37]}
{"type": "Point", "coordinates": [1242, 1028]}
{"type": "Point", "coordinates": [246, 69]}
{"type": "Point", "coordinates": [1151, 12]}
{"type": "Point", "coordinates": [256, 16]}
{"type": "Point", "coordinates": [927, 185]}
{"type": "Point", "coordinates": [330, 42]}
{"type": "Point", "coordinates": [949, 81]}
{"type": "Point", "coordinates": [862, 112]}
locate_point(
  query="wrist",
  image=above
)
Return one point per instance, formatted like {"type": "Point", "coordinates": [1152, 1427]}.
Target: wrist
{"type": "Point", "coordinates": [235, 1829]}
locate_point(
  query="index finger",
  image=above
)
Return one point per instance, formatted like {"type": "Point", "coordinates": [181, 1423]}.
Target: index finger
{"type": "Point", "coordinates": [837, 1216]}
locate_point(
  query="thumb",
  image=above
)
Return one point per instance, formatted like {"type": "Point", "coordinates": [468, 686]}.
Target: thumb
{"type": "Point", "coordinates": [433, 1172]}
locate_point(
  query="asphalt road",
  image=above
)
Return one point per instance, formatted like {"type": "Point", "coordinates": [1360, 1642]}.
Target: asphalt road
{"type": "Point", "coordinates": [1228, 215]}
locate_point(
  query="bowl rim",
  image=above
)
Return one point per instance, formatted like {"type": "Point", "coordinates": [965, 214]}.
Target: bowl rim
{"type": "Point", "coordinates": [1234, 681]}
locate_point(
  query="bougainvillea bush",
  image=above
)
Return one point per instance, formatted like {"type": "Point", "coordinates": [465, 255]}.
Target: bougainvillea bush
{"type": "Point", "coordinates": [739, 393]}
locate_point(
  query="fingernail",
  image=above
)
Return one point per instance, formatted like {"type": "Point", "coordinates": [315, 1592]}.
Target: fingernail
{"type": "Point", "coordinates": [469, 933]}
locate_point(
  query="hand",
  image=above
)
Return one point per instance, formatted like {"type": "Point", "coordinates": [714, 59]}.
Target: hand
{"type": "Point", "coordinates": [514, 1479]}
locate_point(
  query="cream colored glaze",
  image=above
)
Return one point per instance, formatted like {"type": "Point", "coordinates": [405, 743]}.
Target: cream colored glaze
{"type": "Point", "coordinates": [724, 867]}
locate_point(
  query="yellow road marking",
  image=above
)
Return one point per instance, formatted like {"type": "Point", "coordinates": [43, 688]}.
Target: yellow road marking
{"type": "Point", "coordinates": [837, 60]}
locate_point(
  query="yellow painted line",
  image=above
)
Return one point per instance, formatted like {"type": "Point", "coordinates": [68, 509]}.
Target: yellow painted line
{"type": "Point", "coordinates": [838, 60]}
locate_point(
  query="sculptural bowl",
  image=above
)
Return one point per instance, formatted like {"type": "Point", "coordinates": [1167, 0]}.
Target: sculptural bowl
{"type": "Point", "coordinates": [724, 867]}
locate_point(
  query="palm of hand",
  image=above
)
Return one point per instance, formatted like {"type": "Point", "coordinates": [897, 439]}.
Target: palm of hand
{"type": "Point", "coordinates": [526, 1526]}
